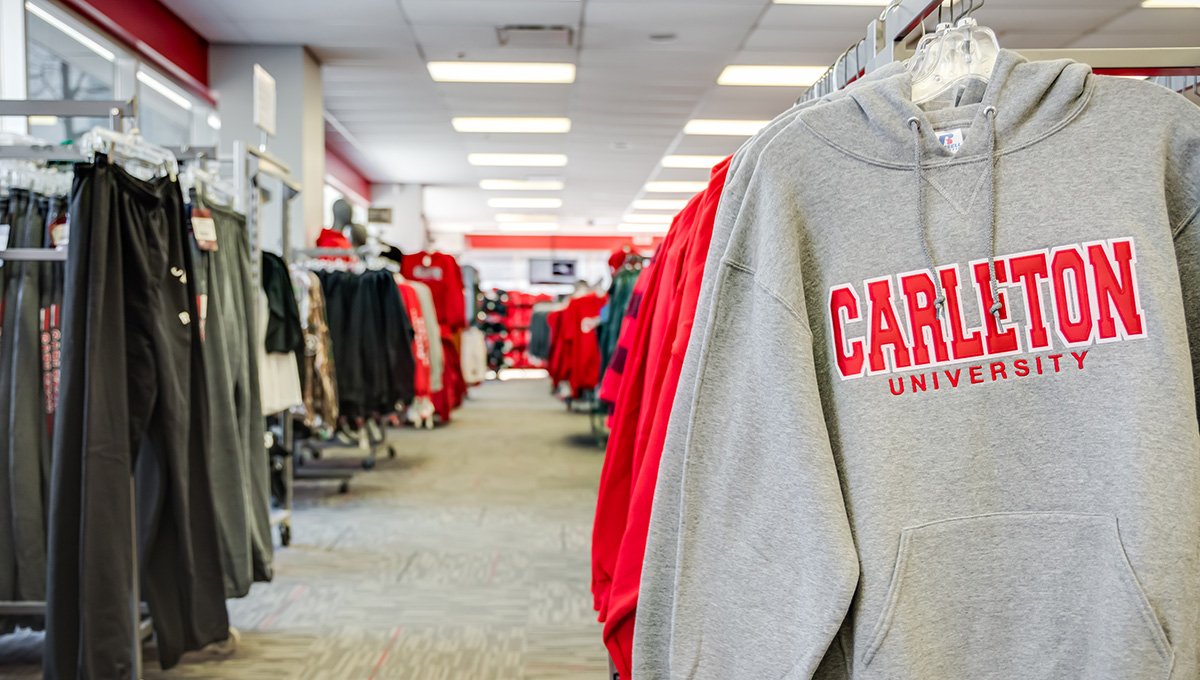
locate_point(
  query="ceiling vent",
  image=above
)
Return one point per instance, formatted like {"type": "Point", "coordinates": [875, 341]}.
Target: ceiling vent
{"type": "Point", "coordinates": [536, 37]}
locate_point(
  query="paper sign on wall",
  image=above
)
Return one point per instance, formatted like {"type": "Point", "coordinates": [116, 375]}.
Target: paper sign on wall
{"type": "Point", "coordinates": [264, 100]}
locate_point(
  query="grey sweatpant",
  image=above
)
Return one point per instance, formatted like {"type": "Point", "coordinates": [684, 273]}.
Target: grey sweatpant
{"type": "Point", "coordinates": [239, 464]}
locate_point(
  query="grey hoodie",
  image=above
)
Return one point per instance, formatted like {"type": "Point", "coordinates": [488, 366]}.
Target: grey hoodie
{"type": "Point", "coordinates": [861, 480]}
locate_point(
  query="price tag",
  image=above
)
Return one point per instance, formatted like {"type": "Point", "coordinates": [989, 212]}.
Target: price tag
{"type": "Point", "coordinates": [204, 229]}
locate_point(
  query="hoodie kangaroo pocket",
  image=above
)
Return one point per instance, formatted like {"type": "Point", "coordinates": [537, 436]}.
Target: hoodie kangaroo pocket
{"type": "Point", "coordinates": [1020, 595]}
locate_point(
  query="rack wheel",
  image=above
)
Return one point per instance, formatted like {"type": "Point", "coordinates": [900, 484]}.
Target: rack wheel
{"type": "Point", "coordinates": [344, 487]}
{"type": "Point", "coordinates": [368, 463]}
{"type": "Point", "coordinates": [391, 452]}
{"type": "Point", "coordinates": [315, 453]}
{"type": "Point", "coordinates": [285, 535]}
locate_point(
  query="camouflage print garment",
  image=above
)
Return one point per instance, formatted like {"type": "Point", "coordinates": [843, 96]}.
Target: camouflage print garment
{"type": "Point", "coordinates": [317, 373]}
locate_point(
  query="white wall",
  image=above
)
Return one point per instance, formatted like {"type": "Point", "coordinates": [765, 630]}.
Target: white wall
{"type": "Point", "coordinates": [407, 229]}
{"type": "Point", "coordinates": [509, 269]}
{"type": "Point", "coordinates": [300, 136]}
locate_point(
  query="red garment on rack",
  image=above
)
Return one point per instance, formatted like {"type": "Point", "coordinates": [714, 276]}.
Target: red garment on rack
{"type": "Point", "coordinates": [616, 478]}
{"type": "Point", "coordinates": [328, 238]}
{"type": "Point", "coordinates": [442, 274]}
{"type": "Point", "coordinates": [669, 333]}
{"type": "Point", "coordinates": [421, 377]}
{"type": "Point", "coordinates": [575, 346]}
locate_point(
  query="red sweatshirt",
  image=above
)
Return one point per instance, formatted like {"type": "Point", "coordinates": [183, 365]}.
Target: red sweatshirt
{"type": "Point", "coordinates": [421, 378]}
{"type": "Point", "coordinates": [612, 505]}
{"type": "Point", "coordinates": [669, 345]}
{"type": "Point", "coordinates": [442, 274]}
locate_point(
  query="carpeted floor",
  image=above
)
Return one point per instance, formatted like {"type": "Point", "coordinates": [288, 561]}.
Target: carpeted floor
{"type": "Point", "coordinates": [467, 557]}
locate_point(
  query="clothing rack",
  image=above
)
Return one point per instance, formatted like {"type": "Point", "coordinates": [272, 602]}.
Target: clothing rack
{"type": "Point", "coordinates": [369, 448]}
{"type": "Point", "coordinates": [116, 111]}
{"type": "Point", "coordinates": [1175, 67]}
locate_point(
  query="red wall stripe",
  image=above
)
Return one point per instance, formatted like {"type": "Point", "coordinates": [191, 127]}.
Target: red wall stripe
{"type": "Point", "coordinates": [154, 33]}
{"type": "Point", "coordinates": [533, 242]}
{"type": "Point", "coordinates": [345, 172]}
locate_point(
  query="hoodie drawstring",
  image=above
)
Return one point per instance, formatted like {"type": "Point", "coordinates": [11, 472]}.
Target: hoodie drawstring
{"type": "Point", "coordinates": [989, 114]}
{"type": "Point", "coordinates": [914, 124]}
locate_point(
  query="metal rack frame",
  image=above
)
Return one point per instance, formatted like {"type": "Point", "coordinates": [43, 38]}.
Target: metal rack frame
{"type": "Point", "coordinates": [248, 162]}
{"type": "Point", "coordinates": [116, 111]}
{"type": "Point", "coordinates": [1175, 67]}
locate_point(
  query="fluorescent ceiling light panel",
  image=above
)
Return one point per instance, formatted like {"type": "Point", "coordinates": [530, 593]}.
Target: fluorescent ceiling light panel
{"type": "Point", "coordinates": [843, 3]}
{"type": "Point", "coordinates": [525, 202]}
{"type": "Point", "coordinates": [75, 35]}
{"type": "Point", "coordinates": [164, 89]}
{"type": "Point", "coordinates": [528, 227]}
{"type": "Point", "coordinates": [649, 219]}
{"type": "Point", "coordinates": [1171, 4]}
{"type": "Point", "coordinates": [704, 162]}
{"type": "Point", "coordinates": [501, 72]}
{"type": "Point", "coordinates": [655, 204]}
{"type": "Point", "coordinates": [676, 187]}
{"type": "Point", "coordinates": [518, 160]}
{"type": "Point", "coordinates": [214, 120]}
{"type": "Point", "coordinates": [643, 228]}
{"type": "Point", "coordinates": [520, 185]}
{"type": "Point", "coordinates": [771, 76]}
{"type": "Point", "coordinates": [516, 125]}
{"type": "Point", "coordinates": [511, 218]}
{"type": "Point", "coordinates": [735, 128]}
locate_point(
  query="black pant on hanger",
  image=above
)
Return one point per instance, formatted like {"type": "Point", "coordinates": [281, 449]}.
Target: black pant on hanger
{"type": "Point", "coordinates": [132, 398]}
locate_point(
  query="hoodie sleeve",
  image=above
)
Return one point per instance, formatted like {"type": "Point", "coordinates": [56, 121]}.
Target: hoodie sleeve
{"type": "Point", "coordinates": [750, 564]}
{"type": "Point", "coordinates": [1182, 183]}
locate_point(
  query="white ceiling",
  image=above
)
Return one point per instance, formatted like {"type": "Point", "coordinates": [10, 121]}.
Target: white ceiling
{"type": "Point", "coordinates": [631, 99]}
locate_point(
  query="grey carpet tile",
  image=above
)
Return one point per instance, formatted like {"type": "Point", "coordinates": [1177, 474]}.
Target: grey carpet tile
{"type": "Point", "coordinates": [465, 557]}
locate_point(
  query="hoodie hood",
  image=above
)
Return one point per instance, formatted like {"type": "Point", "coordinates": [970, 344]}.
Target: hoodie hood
{"type": "Point", "coordinates": [1032, 100]}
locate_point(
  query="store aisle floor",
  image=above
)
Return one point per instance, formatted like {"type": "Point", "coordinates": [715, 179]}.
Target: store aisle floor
{"type": "Point", "coordinates": [467, 557]}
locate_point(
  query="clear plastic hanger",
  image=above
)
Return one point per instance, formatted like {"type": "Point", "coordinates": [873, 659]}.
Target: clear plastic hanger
{"type": "Point", "coordinates": [947, 59]}
{"type": "Point", "coordinates": [139, 157]}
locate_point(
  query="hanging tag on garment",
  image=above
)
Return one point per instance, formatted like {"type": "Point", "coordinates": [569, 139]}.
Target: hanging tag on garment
{"type": "Point", "coordinates": [204, 229]}
{"type": "Point", "coordinates": [4, 231]}
{"type": "Point", "coordinates": [951, 139]}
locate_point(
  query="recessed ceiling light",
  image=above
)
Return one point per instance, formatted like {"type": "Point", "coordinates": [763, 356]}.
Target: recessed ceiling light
{"type": "Point", "coordinates": [676, 187]}
{"type": "Point", "coordinates": [649, 219]}
{"type": "Point", "coordinates": [531, 226]}
{"type": "Point", "coordinates": [518, 160]}
{"type": "Point", "coordinates": [643, 228]}
{"type": "Point", "coordinates": [525, 202]}
{"type": "Point", "coordinates": [1171, 4]}
{"type": "Point", "coordinates": [737, 128]}
{"type": "Point", "coordinates": [520, 185]}
{"type": "Point", "coordinates": [654, 204]}
{"type": "Point", "coordinates": [705, 162]}
{"type": "Point", "coordinates": [75, 35]}
{"type": "Point", "coordinates": [771, 76]}
{"type": "Point", "coordinates": [846, 3]}
{"type": "Point", "coordinates": [214, 120]}
{"type": "Point", "coordinates": [509, 217]}
{"type": "Point", "coordinates": [517, 125]}
{"type": "Point", "coordinates": [501, 72]}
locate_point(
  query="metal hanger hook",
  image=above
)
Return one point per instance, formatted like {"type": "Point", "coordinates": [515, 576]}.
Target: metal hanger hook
{"type": "Point", "coordinates": [891, 7]}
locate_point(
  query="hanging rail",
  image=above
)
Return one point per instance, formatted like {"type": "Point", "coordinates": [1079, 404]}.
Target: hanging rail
{"type": "Point", "coordinates": [1177, 68]}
